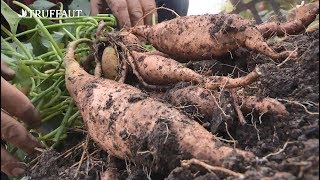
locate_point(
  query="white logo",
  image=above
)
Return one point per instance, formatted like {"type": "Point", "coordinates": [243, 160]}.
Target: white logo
{"type": "Point", "coordinates": [23, 13]}
{"type": "Point", "coordinates": [50, 13]}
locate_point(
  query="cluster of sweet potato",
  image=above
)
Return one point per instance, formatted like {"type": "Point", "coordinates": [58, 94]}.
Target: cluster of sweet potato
{"type": "Point", "coordinates": [131, 125]}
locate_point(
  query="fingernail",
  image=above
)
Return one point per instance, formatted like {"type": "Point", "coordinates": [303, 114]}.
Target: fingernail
{"type": "Point", "coordinates": [18, 171]}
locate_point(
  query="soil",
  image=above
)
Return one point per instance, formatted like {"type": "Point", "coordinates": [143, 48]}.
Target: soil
{"type": "Point", "coordinates": [286, 148]}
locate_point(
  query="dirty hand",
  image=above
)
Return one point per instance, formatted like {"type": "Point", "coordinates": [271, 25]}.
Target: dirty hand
{"type": "Point", "coordinates": [128, 12]}
{"type": "Point", "coordinates": [15, 104]}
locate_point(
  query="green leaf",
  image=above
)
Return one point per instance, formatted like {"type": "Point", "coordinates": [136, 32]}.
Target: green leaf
{"type": "Point", "coordinates": [38, 47]}
{"type": "Point", "coordinates": [30, 23]}
{"type": "Point", "coordinates": [11, 16]}
{"type": "Point", "coordinates": [23, 74]}
{"type": "Point", "coordinates": [42, 5]}
{"type": "Point", "coordinates": [57, 36]}
{"type": "Point", "coordinates": [28, 46]}
{"type": "Point", "coordinates": [7, 58]}
{"type": "Point", "coordinates": [83, 5]}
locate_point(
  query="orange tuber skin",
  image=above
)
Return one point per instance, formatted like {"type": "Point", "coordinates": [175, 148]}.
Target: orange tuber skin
{"type": "Point", "coordinates": [162, 71]}
{"type": "Point", "coordinates": [129, 125]}
{"type": "Point", "coordinates": [207, 104]}
{"type": "Point", "coordinates": [201, 37]}
{"type": "Point", "coordinates": [302, 17]}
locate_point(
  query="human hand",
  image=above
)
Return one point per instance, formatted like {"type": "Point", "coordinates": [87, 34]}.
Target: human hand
{"type": "Point", "coordinates": [128, 12]}
{"type": "Point", "coordinates": [15, 103]}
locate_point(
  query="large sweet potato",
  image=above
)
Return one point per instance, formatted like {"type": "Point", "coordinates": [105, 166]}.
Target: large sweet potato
{"type": "Point", "coordinates": [205, 36]}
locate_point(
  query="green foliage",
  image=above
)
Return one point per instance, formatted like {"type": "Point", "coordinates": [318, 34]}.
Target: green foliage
{"type": "Point", "coordinates": [36, 56]}
{"type": "Point", "coordinates": [11, 16]}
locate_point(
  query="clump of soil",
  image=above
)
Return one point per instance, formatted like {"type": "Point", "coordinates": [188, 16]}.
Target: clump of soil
{"type": "Point", "coordinates": [291, 145]}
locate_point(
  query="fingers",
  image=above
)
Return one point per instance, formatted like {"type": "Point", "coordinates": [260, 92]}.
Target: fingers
{"type": "Point", "coordinates": [17, 104]}
{"type": "Point", "coordinates": [120, 10]}
{"type": "Point", "coordinates": [6, 72]}
{"type": "Point", "coordinates": [147, 7]}
{"type": "Point", "coordinates": [10, 165]}
{"type": "Point", "coordinates": [13, 132]}
{"type": "Point", "coordinates": [94, 7]}
{"type": "Point", "coordinates": [135, 12]}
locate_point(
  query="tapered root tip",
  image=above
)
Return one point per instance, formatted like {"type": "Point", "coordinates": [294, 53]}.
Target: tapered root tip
{"type": "Point", "coordinates": [69, 57]}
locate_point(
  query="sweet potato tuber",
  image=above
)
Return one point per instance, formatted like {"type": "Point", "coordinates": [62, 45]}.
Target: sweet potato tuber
{"type": "Point", "coordinates": [129, 125]}
{"type": "Point", "coordinates": [160, 70]}
{"type": "Point", "coordinates": [210, 104]}
{"type": "Point", "coordinates": [300, 18]}
{"type": "Point", "coordinates": [205, 36]}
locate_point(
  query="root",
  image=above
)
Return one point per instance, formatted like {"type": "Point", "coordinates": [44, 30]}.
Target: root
{"type": "Point", "coordinates": [232, 139]}
{"type": "Point", "coordinates": [215, 82]}
{"type": "Point", "coordinates": [85, 150]}
{"type": "Point", "coordinates": [300, 104]}
{"type": "Point", "coordinates": [254, 124]}
{"type": "Point", "coordinates": [100, 28]}
{"type": "Point", "coordinates": [265, 158]}
{"type": "Point", "coordinates": [188, 163]}
{"type": "Point", "coordinates": [237, 107]}
{"type": "Point", "coordinates": [155, 9]}
{"type": "Point", "coordinates": [124, 70]}
{"type": "Point", "coordinates": [288, 58]}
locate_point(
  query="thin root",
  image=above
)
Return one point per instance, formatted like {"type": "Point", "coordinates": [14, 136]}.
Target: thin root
{"type": "Point", "coordinates": [288, 58]}
{"type": "Point", "coordinates": [85, 146]}
{"type": "Point", "coordinates": [237, 107]}
{"type": "Point", "coordinates": [298, 103]}
{"type": "Point", "coordinates": [188, 163]}
{"type": "Point", "coordinates": [264, 158]}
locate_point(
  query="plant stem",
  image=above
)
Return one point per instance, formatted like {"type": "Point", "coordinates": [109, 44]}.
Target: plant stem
{"type": "Point", "coordinates": [63, 28]}
{"type": "Point", "coordinates": [63, 124]}
{"type": "Point", "coordinates": [56, 84]}
{"type": "Point", "coordinates": [51, 116]}
{"type": "Point", "coordinates": [14, 53]}
{"type": "Point", "coordinates": [51, 26]}
{"type": "Point", "coordinates": [53, 100]}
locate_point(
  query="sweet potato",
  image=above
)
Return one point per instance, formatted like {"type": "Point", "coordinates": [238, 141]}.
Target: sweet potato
{"type": "Point", "coordinates": [210, 104]}
{"type": "Point", "coordinates": [162, 71]}
{"type": "Point", "coordinates": [199, 101]}
{"type": "Point", "coordinates": [298, 20]}
{"type": "Point", "coordinates": [129, 125]}
{"type": "Point", "coordinates": [201, 37]}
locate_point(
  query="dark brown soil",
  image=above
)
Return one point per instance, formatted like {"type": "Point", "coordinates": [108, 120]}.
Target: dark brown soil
{"type": "Point", "coordinates": [286, 148]}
